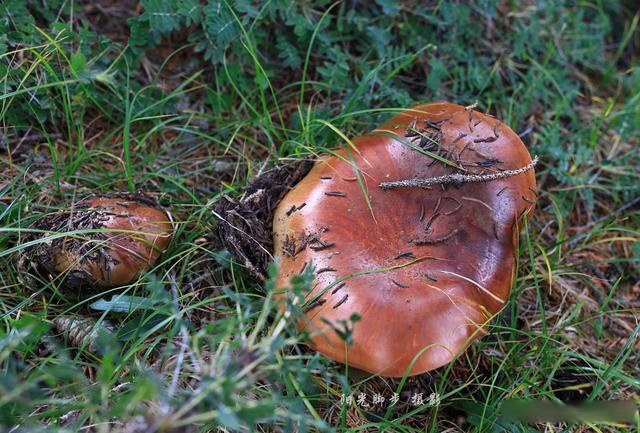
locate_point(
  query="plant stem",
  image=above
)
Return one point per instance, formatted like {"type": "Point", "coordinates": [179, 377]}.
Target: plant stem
{"type": "Point", "coordinates": [458, 178]}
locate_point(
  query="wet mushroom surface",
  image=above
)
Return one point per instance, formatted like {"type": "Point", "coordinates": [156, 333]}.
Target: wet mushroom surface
{"type": "Point", "coordinates": [425, 267]}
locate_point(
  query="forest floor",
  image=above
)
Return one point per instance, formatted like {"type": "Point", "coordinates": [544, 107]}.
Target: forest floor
{"type": "Point", "coordinates": [187, 101]}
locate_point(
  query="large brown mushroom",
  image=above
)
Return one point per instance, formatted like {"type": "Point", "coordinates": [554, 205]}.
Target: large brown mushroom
{"type": "Point", "coordinates": [109, 241]}
{"type": "Point", "coordinates": [414, 227]}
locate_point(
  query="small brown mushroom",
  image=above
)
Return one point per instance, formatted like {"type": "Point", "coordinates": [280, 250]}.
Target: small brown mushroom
{"type": "Point", "coordinates": [415, 228]}
{"type": "Point", "coordinates": [110, 240]}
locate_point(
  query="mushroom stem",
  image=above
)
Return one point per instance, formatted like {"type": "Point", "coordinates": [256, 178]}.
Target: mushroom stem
{"type": "Point", "coordinates": [458, 178]}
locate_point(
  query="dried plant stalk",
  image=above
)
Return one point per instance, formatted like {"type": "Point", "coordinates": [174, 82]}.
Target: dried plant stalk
{"type": "Point", "coordinates": [458, 178]}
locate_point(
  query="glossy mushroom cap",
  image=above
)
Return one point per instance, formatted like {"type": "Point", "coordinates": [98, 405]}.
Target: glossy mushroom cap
{"type": "Point", "coordinates": [424, 268]}
{"type": "Point", "coordinates": [136, 232]}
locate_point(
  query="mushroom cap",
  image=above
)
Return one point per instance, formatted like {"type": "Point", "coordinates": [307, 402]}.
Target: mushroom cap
{"type": "Point", "coordinates": [424, 268]}
{"type": "Point", "coordinates": [136, 232]}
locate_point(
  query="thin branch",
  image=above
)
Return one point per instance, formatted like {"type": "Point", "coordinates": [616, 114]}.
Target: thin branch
{"type": "Point", "coordinates": [458, 178]}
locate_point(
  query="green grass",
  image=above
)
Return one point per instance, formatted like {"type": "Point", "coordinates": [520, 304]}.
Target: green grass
{"type": "Point", "coordinates": [189, 104]}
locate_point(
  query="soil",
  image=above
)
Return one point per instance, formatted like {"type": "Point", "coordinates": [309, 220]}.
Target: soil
{"type": "Point", "coordinates": [245, 224]}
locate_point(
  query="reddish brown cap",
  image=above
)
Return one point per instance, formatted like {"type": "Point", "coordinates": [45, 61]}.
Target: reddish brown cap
{"type": "Point", "coordinates": [136, 232]}
{"type": "Point", "coordinates": [425, 268]}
